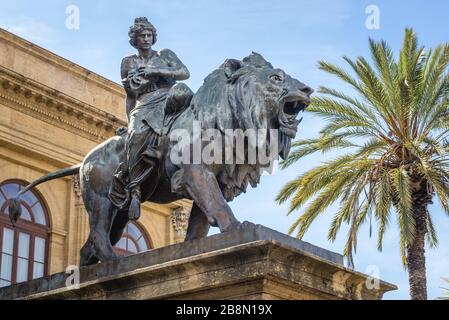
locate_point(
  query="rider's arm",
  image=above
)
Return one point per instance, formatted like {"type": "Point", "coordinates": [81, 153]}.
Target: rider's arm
{"type": "Point", "coordinates": [173, 67]}
{"type": "Point", "coordinates": [125, 68]}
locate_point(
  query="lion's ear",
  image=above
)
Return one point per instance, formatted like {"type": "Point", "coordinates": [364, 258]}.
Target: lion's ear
{"type": "Point", "coordinates": [230, 66]}
{"type": "Point", "coordinates": [256, 60]}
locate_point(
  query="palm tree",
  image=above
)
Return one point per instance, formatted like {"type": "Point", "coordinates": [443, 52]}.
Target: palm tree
{"type": "Point", "coordinates": [446, 296]}
{"type": "Point", "coordinates": [394, 132]}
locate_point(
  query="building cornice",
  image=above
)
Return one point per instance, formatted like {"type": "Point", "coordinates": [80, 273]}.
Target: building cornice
{"type": "Point", "coordinates": [56, 108]}
{"type": "Point", "coordinates": [53, 58]}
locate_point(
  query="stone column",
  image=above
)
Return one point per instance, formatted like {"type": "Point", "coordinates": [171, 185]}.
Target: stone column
{"type": "Point", "coordinates": [180, 219]}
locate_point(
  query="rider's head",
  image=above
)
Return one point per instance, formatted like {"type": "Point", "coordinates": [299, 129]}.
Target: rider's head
{"type": "Point", "coordinates": [141, 32]}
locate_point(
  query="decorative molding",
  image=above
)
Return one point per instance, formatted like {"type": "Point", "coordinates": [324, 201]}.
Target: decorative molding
{"type": "Point", "coordinates": [77, 190]}
{"type": "Point", "coordinates": [76, 185]}
{"type": "Point", "coordinates": [60, 233]}
{"type": "Point", "coordinates": [180, 219]}
{"type": "Point", "coordinates": [54, 59]}
{"type": "Point", "coordinates": [56, 108]}
{"type": "Point", "coordinates": [12, 138]}
{"type": "Point", "coordinates": [181, 203]}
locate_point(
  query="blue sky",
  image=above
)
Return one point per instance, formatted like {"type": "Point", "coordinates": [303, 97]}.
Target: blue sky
{"type": "Point", "coordinates": [292, 35]}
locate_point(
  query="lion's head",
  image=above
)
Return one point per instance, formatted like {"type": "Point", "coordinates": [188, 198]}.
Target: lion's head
{"type": "Point", "coordinates": [250, 94]}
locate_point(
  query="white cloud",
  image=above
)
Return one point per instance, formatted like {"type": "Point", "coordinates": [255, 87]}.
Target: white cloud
{"type": "Point", "coordinates": [29, 29]}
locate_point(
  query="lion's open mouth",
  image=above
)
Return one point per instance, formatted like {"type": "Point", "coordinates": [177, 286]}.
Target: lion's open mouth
{"type": "Point", "coordinates": [290, 106]}
{"type": "Point", "coordinates": [294, 107]}
{"type": "Point", "coordinates": [295, 102]}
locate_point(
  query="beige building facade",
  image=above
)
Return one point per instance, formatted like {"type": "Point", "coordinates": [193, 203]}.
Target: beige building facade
{"type": "Point", "coordinates": [52, 113]}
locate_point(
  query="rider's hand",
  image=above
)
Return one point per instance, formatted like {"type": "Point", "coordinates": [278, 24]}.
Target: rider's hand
{"type": "Point", "coordinates": [148, 71]}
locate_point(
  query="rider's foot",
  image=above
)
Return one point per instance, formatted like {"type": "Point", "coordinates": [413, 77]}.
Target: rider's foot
{"type": "Point", "coordinates": [134, 207]}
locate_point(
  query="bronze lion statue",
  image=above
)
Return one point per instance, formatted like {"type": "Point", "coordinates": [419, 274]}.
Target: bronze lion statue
{"type": "Point", "coordinates": [244, 95]}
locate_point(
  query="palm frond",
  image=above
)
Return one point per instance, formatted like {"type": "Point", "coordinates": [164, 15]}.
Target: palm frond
{"type": "Point", "coordinates": [402, 188]}
{"type": "Point", "coordinates": [323, 144]}
{"type": "Point", "coordinates": [394, 135]}
{"type": "Point", "coordinates": [446, 295]}
{"type": "Point", "coordinates": [383, 204]}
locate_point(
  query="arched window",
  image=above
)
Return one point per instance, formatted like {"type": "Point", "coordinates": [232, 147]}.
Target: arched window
{"type": "Point", "coordinates": [23, 249]}
{"type": "Point", "coordinates": [133, 241]}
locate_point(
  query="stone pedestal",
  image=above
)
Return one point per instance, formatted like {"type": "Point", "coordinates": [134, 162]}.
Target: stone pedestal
{"type": "Point", "coordinates": [251, 263]}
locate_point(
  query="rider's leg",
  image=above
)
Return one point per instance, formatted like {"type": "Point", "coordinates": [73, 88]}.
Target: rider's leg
{"type": "Point", "coordinates": [138, 140]}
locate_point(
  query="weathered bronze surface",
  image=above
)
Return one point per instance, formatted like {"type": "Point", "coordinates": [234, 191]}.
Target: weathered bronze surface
{"type": "Point", "coordinates": [135, 166]}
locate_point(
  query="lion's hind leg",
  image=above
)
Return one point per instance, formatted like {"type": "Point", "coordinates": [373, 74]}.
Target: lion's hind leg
{"type": "Point", "coordinates": [87, 256]}
{"type": "Point", "coordinates": [119, 224]}
{"type": "Point", "coordinates": [98, 246]}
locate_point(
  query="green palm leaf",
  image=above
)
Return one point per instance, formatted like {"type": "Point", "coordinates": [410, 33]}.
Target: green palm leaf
{"type": "Point", "coordinates": [395, 132]}
{"type": "Point", "coordinates": [446, 289]}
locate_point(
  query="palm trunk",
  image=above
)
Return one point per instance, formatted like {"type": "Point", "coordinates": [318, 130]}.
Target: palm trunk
{"type": "Point", "coordinates": [416, 260]}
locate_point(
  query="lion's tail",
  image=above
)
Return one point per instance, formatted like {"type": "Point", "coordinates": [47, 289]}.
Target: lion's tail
{"type": "Point", "coordinates": [14, 205]}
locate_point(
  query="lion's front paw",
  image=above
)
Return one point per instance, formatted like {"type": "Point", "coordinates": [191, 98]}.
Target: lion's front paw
{"type": "Point", "coordinates": [233, 226]}
{"type": "Point", "coordinates": [239, 226]}
{"type": "Point", "coordinates": [247, 224]}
